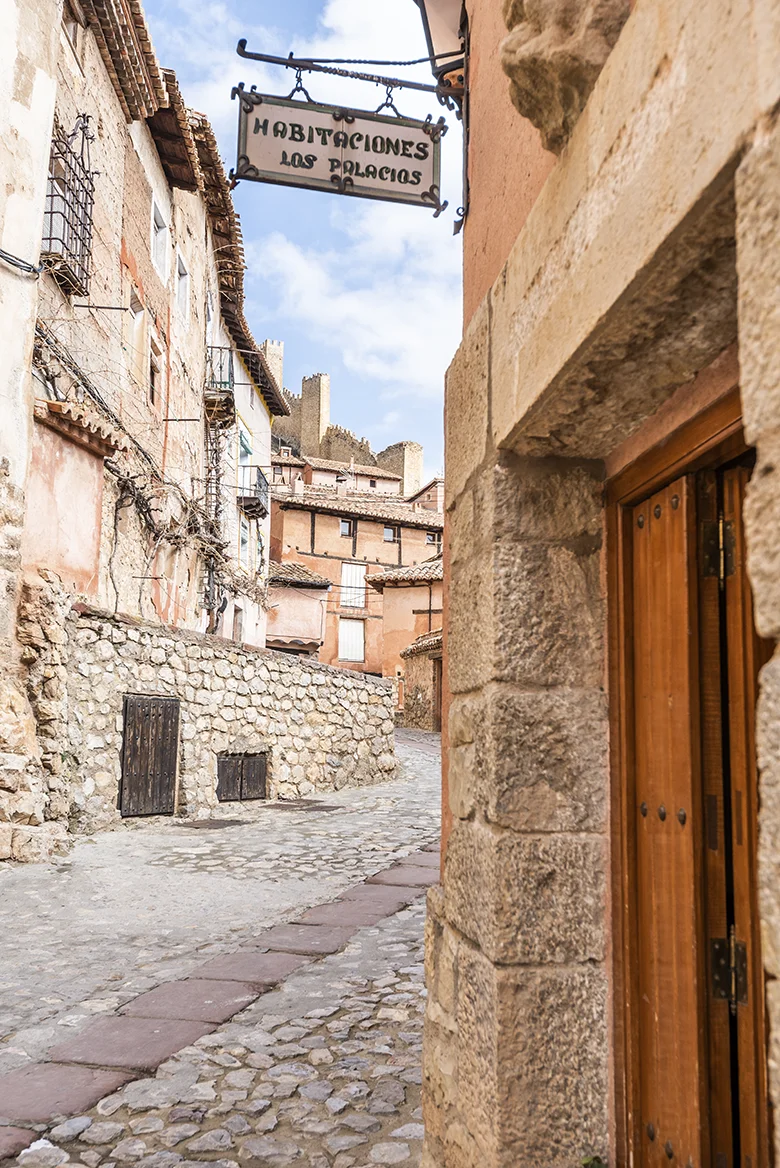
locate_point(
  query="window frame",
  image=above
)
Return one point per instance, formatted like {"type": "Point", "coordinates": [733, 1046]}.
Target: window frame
{"type": "Point", "coordinates": [243, 526]}
{"type": "Point", "coordinates": [160, 231]}
{"type": "Point", "coordinates": [353, 595]}
{"type": "Point", "coordinates": [156, 385]}
{"type": "Point", "coordinates": [183, 278]}
{"type": "Point", "coordinates": [349, 524]}
{"type": "Point", "coordinates": [396, 533]}
{"type": "Point", "coordinates": [352, 621]}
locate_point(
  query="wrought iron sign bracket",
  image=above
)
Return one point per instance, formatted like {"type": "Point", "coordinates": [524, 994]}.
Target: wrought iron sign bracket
{"type": "Point", "coordinates": [448, 95]}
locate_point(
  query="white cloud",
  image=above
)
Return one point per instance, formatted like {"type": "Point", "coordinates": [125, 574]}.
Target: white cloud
{"type": "Point", "coordinates": [382, 289]}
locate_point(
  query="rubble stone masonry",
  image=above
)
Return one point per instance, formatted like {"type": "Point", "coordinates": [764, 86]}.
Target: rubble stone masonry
{"type": "Point", "coordinates": [323, 728]}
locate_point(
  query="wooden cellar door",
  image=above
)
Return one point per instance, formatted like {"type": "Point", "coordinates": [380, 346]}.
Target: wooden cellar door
{"type": "Point", "coordinates": [150, 755]}
{"type": "Point", "coordinates": [241, 777]}
{"type": "Point", "coordinates": [699, 991]}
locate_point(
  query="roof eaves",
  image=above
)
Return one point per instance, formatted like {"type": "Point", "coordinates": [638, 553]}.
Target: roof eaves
{"type": "Point", "coordinates": [226, 227]}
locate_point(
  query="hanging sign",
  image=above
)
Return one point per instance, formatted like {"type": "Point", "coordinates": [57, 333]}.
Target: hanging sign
{"type": "Point", "coordinates": [346, 151]}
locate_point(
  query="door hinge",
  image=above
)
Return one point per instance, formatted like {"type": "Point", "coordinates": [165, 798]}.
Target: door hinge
{"type": "Point", "coordinates": [730, 970]}
{"type": "Point", "coordinates": [718, 548]}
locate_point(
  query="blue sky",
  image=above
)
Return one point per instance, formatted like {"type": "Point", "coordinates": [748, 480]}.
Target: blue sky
{"type": "Point", "coordinates": [368, 292]}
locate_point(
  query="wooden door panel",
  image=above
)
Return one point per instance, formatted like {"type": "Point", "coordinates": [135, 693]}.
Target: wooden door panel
{"type": "Point", "coordinates": [746, 654]}
{"type": "Point", "coordinates": [253, 776]}
{"type": "Point", "coordinates": [229, 778]}
{"type": "Point", "coordinates": [669, 928]}
{"type": "Point", "coordinates": [149, 756]}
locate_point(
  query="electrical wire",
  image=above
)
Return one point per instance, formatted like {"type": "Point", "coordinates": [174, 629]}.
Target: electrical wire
{"type": "Point", "coordinates": [22, 265]}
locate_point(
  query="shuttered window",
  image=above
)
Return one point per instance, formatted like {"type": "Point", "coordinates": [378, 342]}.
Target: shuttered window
{"type": "Point", "coordinates": [352, 640]}
{"type": "Point", "coordinates": [353, 586]}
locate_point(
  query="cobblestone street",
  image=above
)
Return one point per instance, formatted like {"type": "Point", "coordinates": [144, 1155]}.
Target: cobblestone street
{"type": "Point", "coordinates": [129, 910]}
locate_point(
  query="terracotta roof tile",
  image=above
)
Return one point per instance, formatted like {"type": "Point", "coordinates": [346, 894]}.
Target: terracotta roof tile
{"type": "Point", "coordinates": [381, 508]}
{"type": "Point", "coordinates": [427, 643]}
{"type": "Point", "coordinates": [374, 472]}
{"type": "Point", "coordinates": [430, 570]}
{"type": "Point", "coordinates": [295, 575]}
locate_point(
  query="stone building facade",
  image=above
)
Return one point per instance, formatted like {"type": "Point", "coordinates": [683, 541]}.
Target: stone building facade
{"type": "Point", "coordinates": [135, 436]}
{"type": "Point", "coordinates": [423, 682]}
{"type": "Point", "coordinates": [620, 353]}
{"type": "Point", "coordinates": [317, 729]}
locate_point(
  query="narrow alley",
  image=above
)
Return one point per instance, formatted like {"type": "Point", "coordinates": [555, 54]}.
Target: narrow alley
{"type": "Point", "coordinates": [331, 1055]}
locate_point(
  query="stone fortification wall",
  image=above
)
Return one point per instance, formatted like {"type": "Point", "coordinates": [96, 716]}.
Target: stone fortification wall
{"type": "Point", "coordinates": [322, 728]}
{"type": "Point", "coordinates": [342, 446]}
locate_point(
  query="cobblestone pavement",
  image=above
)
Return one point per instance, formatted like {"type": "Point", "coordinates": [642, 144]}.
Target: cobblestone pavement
{"type": "Point", "coordinates": [323, 1072]}
{"type": "Point", "coordinates": [130, 909]}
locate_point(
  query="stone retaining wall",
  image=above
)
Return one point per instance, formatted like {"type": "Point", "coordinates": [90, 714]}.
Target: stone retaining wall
{"type": "Point", "coordinates": [323, 728]}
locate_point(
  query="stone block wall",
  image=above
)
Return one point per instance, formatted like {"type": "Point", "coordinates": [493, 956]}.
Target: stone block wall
{"type": "Point", "coordinates": [418, 713]}
{"type": "Point", "coordinates": [323, 729]}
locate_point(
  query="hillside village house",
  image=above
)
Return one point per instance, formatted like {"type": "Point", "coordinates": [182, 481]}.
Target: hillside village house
{"type": "Point", "coordinates": [603, 953]}
{"type": "Point", "coordinates": [346, 514]}
{"type": "Point", "coordinates": [297, 609]}
{"type": "Point", "coordinates": [345, 537]}
{"type": "Point", "coordinates": [411, 608]}
{"type": "Point", "coordinates": [135, 431]}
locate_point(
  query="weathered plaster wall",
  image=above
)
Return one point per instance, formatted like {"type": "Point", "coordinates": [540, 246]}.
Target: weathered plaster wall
{"type": "Point", "coordinates": [324, 729]}
{"type": "Point", "coordinates": [419, 696]}
{"type": "Point", "coordinates": [407, 613]}
{"type": "Point", "coordinates": [64, 506]}
{"type": "Point", "coordinates": [297, 613]}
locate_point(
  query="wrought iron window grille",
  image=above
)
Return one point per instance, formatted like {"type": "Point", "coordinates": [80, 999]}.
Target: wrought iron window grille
{"type": "Point", "coordinates": [70, 198]}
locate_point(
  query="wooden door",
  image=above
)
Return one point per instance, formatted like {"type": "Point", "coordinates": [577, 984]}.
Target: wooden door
{"type": "Point", "coordinates": [745, 654]}
{"type": "Point", "coordinates": [696, 976]}
{"type": "Point", "coordinates": [229, 778]}
{"type": "Point", "coordinates": [241, 777]}
{"type": "Point", "coordinates": [253, 773]}
{"type": "Point", "coordinates": [669, 927]}
{"type": "Point", "coordinates": [150, 752]}
{"type": "Point", "coordinates": [437, 692]}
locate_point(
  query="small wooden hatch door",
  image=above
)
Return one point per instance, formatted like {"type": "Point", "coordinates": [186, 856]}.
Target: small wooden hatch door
{"type": "Point", "coordinates": [150, 755]}
{"type": "Point", "coordinates": [241, 777]}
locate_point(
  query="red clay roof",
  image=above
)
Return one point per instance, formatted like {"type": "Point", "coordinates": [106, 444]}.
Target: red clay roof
{"type": "Point", "coordinates": [380, 508]}
{"type": "Point", "coordinates": [295, 575]}
{"type": "Point", "coordinates": [423, 573]}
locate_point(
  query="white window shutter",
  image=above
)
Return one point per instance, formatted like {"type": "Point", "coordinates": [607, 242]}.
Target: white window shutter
{"type": "Point", "coordinates": [353, 586]}
{"type": "Point", "coordinates": [352, 640]}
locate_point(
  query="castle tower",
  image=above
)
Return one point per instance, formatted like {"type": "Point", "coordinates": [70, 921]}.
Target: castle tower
{"type": "Point", "coordinates": [404, 459]}
{"type": "Point", "coordinates": [315, 413]}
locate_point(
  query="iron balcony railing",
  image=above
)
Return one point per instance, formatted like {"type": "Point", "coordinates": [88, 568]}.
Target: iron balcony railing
{"type": "Point", "coordinates": [219, 368]}
{"type": "Point", "coordinates": [252, 491]}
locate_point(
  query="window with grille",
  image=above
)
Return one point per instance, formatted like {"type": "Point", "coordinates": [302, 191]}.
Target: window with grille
{"type": "Point", "coordinates": [352, 640]}
{"type": "Point", "coordinates": [70, 198]}
{"type": "Point", "coordinates": [353, 586]}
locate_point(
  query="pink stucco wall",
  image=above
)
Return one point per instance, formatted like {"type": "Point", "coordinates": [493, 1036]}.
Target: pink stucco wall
{"type": "Point", "coordinates": [64, 499]}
